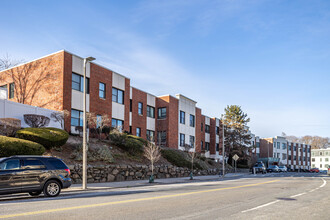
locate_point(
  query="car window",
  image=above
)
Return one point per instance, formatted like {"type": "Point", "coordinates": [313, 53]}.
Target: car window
{"type": "Point", "coordinates": [13, 164]}
{"type": "Point", "coordinates": [57, 164]}
{"type": "Point", "coordinates": [32, 162]}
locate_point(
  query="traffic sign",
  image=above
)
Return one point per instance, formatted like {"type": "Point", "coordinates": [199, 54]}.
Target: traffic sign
{"type": "Point", "coordinates": [235, 157]}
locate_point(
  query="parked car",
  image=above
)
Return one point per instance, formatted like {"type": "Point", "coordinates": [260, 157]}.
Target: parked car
{"type": "Point", "coordinates": [315, 170]}
{"type": "Point", "coordinates": [259, 167]}
{"type": "Point", "coordinates": [283, 169]}
{"type": "Point", "coordinates": [273, 168]}
{"type": "Point", "coordinates": [34, 175]}
{"type": "Point", "coordinates": [329, 171]}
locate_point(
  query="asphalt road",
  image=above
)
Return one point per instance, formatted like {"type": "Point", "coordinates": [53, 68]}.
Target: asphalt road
{"type": "Point", "coordinates": [270, 196]}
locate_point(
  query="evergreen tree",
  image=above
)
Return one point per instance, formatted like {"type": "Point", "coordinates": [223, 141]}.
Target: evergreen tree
{"type": "Point", "coordinates": [237, 138]}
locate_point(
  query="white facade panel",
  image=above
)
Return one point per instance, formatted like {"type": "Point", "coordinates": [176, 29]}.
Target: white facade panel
{"type": "Point", "coordinates": [118, 81]}
{"type": "Point", "coordinates": [207, 120]}
{"type": "Point", "coordinates": [151, 100]}
{"type": "Point", "coordinates": [118, 111]}
{"type": "Point", "coordinates": [151, 124]}
{"type": "Point", "coordinates": [78, 66]}
{"type": "Point", "coordinates": [130, 119]}
{"type": "Point", "coordinates": [207, 137]}
{"type": "Point", "coordinates": [130, 92]}
{"type": "Point", "coordinates": [77, 100]}
{"type": "Point", "coordinates": [189, 108]}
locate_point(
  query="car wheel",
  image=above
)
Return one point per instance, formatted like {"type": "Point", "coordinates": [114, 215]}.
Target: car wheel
{"type": "Point", "coordinates": [36, 193]}
{"type": "Point", "coordinates": [52, 188]}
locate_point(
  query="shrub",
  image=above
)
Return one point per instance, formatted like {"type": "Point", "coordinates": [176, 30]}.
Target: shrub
{"type": "Point", "coordinates": [13, 146]}
{"type": "Point", "coordinates": [132, 144]}
{"type": "Point", "coordinates": [48, 137]}
{"type": "Point", "coordinates": [175, 158]}
{"type": "Point", "coordinates": [36, 121]}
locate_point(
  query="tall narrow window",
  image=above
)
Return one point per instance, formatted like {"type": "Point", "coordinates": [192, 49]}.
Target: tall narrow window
{"type": "Point", "coordinates": [182, 140]}
{"type": "Point", "coordinates": [161, 138]}
{"type": "Point", "coordinates": [192, 141]}
{"type": "Point", "coordinates": [138, 132]}
{"type": "Point", "coordinates": [76, 118]}
{"type": "Point", "coordinates": [116, 123]}
{"type": "Point", "coordinates": [217, 147]}
{"type": "Point", "coordinates": [130, 105]}
{"type": "Point", "coordinates": [150, 136]}
{"type": "Point", "coordinates": [162, 113]}
{"type": "Point", "coordinates": [182, 117]}
{"type": "Point", "coordinates": [98, 120]}
{"type": "Point", "coordinates": [207, 128]}
{"type": "Point", "coordinates": [140, 108]}
{"type": "Point", "coordinates": [150, 112]}
{"type": "Point", "coordinates": [118, 96]}
{"type": "Point", "coordinates": [11, 90]}
{"type": "Point", "coordinates": [102, 90]}
{"type": "Point", "coordinates": [192, 121]}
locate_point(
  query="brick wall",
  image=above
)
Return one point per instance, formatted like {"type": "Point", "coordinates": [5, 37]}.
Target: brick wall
{"type": "Point", "coordinates": [266, 144]}
{"type": "Point", "coordinates": [139, 121]}
{"type": "Point", "coordinates": [212, 135]}
{"type": "Point", "coordinates": [126, 103]}
{"type": "Point", "coordinates": [198, 133]}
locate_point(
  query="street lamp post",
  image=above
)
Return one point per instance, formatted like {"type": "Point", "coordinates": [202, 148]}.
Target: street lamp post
{"type": "Point", "coordinates": [223, 147]}
{"type": "Point", "coordinates": [84, 184]}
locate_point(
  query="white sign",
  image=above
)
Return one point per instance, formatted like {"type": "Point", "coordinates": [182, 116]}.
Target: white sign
{"type": "Point", "coordinates": [235, 157]}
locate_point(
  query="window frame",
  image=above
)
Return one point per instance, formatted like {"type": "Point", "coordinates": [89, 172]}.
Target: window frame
{"type": "Point", "coordinates": [11, 92]}
{"type": "Point", "coordinates": [182, 139]}
{"type": "Point", "coordinates": [138, 132]}
{"type": "Point", "coordinates": [182, 117]}
{"type": "Point", "coordinates": [192, 120]}
{"type": "Point", "coordinates": [150, 111]}
{"type": "Point", "coordinates": [140, 108]}
{"type": "Point", "coordinates": [80, 119]}
{"type": "Point", "coordinates": [116, 123]}
{"type": "Point", "coordinates": [102, 91]}
{"type": "Point", "coordinates": [161, 114]}
{"type": "Point", "coordinates": [115, 95]}
{"type": "Point", "coordinates": [149, 132]}
{"type": "Point", "coordinates": [80, 83]}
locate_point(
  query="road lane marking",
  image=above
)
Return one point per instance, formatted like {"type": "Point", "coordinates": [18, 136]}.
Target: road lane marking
{"type": "Point", "coordinates": [300, 194]}
{"type": "Point", "coordinates": [130, 200]}
{"type": "Point", "coordinates": [261, 206]}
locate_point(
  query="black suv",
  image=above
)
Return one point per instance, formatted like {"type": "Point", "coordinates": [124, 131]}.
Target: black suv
{"type": "Point", "coordinates": [33, 174]}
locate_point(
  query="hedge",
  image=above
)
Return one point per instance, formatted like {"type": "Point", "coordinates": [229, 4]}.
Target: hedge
{"type": "Point", "coordinates": [14, 146]}
{"type": "Point", "coordinates": [132, 144]}
{"type": "Point", "coordinates": [176, 158]}
{"type": "Point", "coordinates": [48, 137]}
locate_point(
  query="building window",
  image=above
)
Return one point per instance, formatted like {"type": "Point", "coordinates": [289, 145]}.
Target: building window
{"type": "Point", "coordinates": [320, 165]}
{"type": "Point", "coordinates": [283, 146]}
{"type": "Point", "coordinates": [217, 147]}
{"type": "Point", "coordinates": [192, 141]}
{"type": "Point", "coordinates": [202, 127]}
{"type": "Point", "coordinates": [217, 129]}
{"type": "Point", "coordinates": [182, 140]}
{"type": "Point", "coordinates": [278, 155]}
{"type": "Point", "coordinates": [202, 145]}
{"type": "Point", "coordinates": [98, 120]}
{"type": "Point", "coordinates": [182, 117]}
{"type": "Point", "coordinates": [11, 90]}
{"type": "Point", "coordinates": [138, 132]}
{"type": "Point", "coordinates": [294, 148]}
{"type": "Point", "coordinates": [76, 118]}
{"type": "Point", "coordinates": [150, 136]}
{"type": "Point", "coordinates": [78, 83]}
{"type": "Point", "coordinates": [140, 108]}
{"type": "Point", "coordinates": [116, 123]}
{"type": "Point", "coordinates": [192, 121]}
{"type": "Point", "coordinates": [207, 128]}
{"type": "Point", "coordinates": [289, 146]}
{"type": "Point", "coordinates": [278, 145]}
{"type": "Point", "coordinates": [289, 157]}
{"type": "Point", "coordinates": [207, 146]}
{"type": "Point", "coordinates": [161, 138]}
{"type": "Point", "coordinates": [118, 96]}
{"type": "Point", "coordinates": [294, 157]}
{"type": "Point", "coordinates": [283, 156]}
{"type": "Point", "coordinates": [130, 105]}
{"type": "Point", "coordinates": [326, 159]}
{"type": "Point", "coordinates": [161, 113]}
{"type": "Point", "coordinates": [313, 159]}
{"type": "Point", "coordinates": [150, 112]}
{"type": "Point", "coordinates": [102, 90]}
{"type": "Point", "coordinates": [320, 159]}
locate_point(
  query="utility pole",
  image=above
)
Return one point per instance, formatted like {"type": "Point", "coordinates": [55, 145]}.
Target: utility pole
{"type": "Point", "coordinates": [84, 184]}
{"type": "Point", "coordinates": [223, 147]}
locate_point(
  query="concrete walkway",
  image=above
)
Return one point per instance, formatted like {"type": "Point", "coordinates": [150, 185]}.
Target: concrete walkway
{"type": "Point", "coordinates": [136, 183]}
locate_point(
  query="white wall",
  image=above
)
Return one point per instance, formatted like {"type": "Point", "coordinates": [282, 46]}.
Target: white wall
{"type": "Point", "coordinates": [9, 109]}
{"type": "Point", "coordinates": [151, 122]}
{"type": "Point", "coordinates": [189, 107]}
{"type": "Point", "coordinates": [3, 93]}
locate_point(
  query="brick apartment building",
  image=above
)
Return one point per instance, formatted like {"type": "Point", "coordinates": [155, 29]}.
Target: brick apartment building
{"type": "Point", "coordinates": [293, 155]}
{"type": "Point", "coordinates": [166, 120]}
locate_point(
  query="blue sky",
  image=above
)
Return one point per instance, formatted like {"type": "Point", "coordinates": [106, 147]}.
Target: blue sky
{"type": "Point", "coordinates": [270, 57]}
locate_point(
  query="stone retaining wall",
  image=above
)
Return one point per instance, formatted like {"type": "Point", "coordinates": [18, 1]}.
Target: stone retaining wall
{"type": "Point", "coordinates": [110, 173]}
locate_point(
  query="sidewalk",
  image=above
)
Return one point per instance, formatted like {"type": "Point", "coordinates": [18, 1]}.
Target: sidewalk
{"type": "Point", "coordinates": [136, 183]}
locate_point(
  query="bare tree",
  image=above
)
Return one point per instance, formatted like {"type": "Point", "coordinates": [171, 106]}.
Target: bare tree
{"type": "Point", "coordinates": [99, 122]}
{"type": "Point", "coordinates": [60, 117]}
{"type": "Point", "coordinates": [152, 153]}
{"type": "Point", "coordinates": [7, 62]}
{"type": "Point", "coordinates": [192, 155]}
{"type": "Point", "coordinates": [36, 121]}
{"type": "Point", "coordinates": [26, 83]}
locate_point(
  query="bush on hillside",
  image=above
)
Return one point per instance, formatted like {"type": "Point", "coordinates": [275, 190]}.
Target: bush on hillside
{"type": "Point", "coordinates": [129, 143]}
{"type": "Point", "coordinates": [48, 137]}
{"type": "Point", "coordinates": [9, 126]}
{"type": "Point", "coordinates": [178, 159]}
{"type": "Point", "coordinates": [14, 146]}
